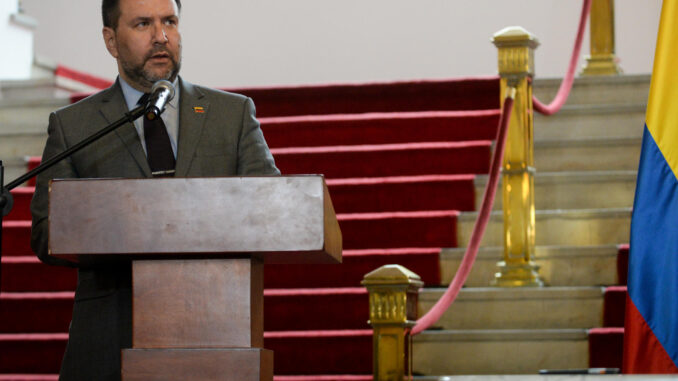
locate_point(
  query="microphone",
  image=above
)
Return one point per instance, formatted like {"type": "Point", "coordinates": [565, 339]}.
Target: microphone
{"type": "Point", "coordinates": [161, 93]}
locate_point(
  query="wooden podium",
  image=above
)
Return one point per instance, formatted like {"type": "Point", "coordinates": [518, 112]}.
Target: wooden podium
{"type": "Point", "coordinates": [197, 247]}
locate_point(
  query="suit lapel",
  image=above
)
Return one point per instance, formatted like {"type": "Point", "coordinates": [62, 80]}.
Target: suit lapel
{"type": "Point", "coordinates": [193, 109]}
{"type": "Point", "coordinates": [113, 107]}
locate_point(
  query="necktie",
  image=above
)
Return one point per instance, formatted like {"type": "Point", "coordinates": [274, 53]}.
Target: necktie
{"type": "Point", "coordinates": [158, 147]}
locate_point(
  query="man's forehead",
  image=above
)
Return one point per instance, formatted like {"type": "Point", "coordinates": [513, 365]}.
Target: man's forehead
{"type": "Point", "coordinates": [147, 8]}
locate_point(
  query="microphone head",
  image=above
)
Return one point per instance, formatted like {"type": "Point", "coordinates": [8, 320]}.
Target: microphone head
{"type": "Point", "coordinates": [163, 84]}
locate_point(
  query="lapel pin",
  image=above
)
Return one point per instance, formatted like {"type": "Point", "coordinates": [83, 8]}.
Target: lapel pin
{"type": "Point", "coordinates": [199, 109]}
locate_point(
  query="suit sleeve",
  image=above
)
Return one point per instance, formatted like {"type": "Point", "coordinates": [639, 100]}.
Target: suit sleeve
{"type": "Point", "coordinates": [254, 157]}
{"type": "Point", "coordinates": [56, 143]}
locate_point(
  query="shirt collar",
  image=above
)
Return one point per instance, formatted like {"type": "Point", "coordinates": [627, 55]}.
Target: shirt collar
{"type": "Point", "coordinates": [132, 95]}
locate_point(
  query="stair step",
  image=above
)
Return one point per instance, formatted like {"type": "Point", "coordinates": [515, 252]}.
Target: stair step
{"type": "Point", "coordinates": [306, 352]}
{"type": "Point", "coordinates": [559, 265]}
{"type": "Point", "coordinates": [523, 308]}
{"type": "Point", "coordinates": [606, 347]}
{"type": "Point", "coordinates": [587, 227]}
{"type": "Point", "coordinates": [592, 121]}
{"type": "Point", "coordinates": [356, 263]}
{"type": "Point", "coordinates": [523, 351]}
{"type": "Point", "coordinates": [386, 159]}
{"type": "Point", "coordinates": [330, 308]}
{"type": "Point", "coordinates": [29, 377]}
{"type": "Point", "coordinates": [398, 229]}
{"type": "Point", "coordinates": [28, 117]}
{"type": "Point", "coordinates": [32, 353]}
{"type": "Point", "coordinates": [286, 310]}
{"type": "Point", "coordinates": [380, 128]}
{"type": "Point", "coordinates": [575, 190]}
{"type": "Point", "coordinates": [615, 306]}
{"type": "Point", "coordinates": [16, 238]}
{"type": "Point", "coordinates": [28, 274]}
{"type": "Point", "coordinates": [24, 312]}
{"type": "Point", "coordinates": [594, 154]}
{"type": "Point", "coordinates": [408, 193]}
{"type": "Point", "coordinates": [22, 201]}
{"type": "Point", "coordinates": [597, 89]}
{"type": "Point", "coordinates": [480, 93]}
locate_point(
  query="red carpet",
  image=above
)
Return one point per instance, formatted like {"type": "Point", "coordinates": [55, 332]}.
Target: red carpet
{"type": "Point", "coordinates": [400, 160]}
{"type": "Point", "coordinates": [380, 128]}
{"type": "Point", "coordinates": [606, 346]}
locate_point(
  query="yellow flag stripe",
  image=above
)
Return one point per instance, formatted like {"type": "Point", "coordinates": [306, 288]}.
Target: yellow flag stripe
{"type": "Point", "coordinates": [662, 108]}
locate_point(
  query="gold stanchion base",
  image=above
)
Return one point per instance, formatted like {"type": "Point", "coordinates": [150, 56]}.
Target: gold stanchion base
{"type": "Point", "coordinates": [601, 65]}
{"type": "Point", "coordinates": [517, 275]}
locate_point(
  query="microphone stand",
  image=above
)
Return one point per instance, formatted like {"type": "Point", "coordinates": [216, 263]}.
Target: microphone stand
{"type": "Point", "coordinates": [6, 200]}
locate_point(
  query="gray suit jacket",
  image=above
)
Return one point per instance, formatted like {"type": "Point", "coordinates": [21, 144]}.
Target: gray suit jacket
{"type": "Point", "coordinates": [223, 140]}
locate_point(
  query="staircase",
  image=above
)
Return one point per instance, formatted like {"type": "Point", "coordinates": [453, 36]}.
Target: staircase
{"type": "Point", "coordinates": [586, 158]}
{"type": "Point", "coordinates": [404, 163]}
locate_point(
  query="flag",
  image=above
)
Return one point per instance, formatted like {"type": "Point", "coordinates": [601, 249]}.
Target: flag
{"type": "Point", "coordinates": [651, 327]}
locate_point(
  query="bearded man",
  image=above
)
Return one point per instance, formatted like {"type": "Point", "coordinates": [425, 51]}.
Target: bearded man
{"type": "Point", "coordinates": [203, 132]}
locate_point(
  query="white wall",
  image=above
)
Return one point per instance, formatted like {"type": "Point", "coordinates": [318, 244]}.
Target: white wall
{"type": "Point", "coordinates": [265, 42]}
{"type": "Point", "coordinates": [16, 44]}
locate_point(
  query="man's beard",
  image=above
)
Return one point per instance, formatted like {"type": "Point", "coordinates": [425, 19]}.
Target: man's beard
{"type": "Point", "coordinates": [144, 77]}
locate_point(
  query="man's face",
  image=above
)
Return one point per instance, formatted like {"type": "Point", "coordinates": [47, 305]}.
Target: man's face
{"type": "Point", "coordinates": [147, 42]}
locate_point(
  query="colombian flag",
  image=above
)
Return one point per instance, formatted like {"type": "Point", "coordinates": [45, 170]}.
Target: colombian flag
{"type": "Point", "coordinates": [651, 331]}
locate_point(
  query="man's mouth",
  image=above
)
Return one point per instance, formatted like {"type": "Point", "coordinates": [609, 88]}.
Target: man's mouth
{"type": "Point", "coordinates": [160, 56]}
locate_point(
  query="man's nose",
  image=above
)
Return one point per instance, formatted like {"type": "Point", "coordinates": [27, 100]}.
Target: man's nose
{"type": "Point", "coordinates": [159, 35]}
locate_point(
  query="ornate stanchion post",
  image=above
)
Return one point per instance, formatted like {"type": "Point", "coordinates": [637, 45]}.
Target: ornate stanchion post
{"type": "Point", "coordinates": [602, 60]}
{"type": "Point", "coordinates": [516, 67]}
{"type": "Point", "coordinates": [393, 292]}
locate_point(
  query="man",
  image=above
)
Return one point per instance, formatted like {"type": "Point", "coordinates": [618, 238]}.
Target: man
{"type": "Point", "coordinates": [203, 132]}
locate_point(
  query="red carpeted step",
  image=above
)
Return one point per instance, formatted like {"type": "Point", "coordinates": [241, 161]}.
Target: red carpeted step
{"type": "Point", "coordinates": [321, 352]}
{"type": "Point", "coordinates": [405, 193]}
{"type": "Point", "coordinates": [622, 263]}
{"type": "Point", "coordinates": [16, 238]}
{"type": "Point", "coordinates": [453, 94]}
{"type": "Point", "coordinates": [356, 263]}
{"type": "Point", "coordinates": [22, 201]}
{"type": "Point", "coordinates": [28, 274]}
{"type": "Point", "coordinates": [399, 229]}
{"type": "Point", "coordinates": [316, 309]}
{"type": "Point", "coordinates": [32, 353]}
{"type": "Point", "coordinates": [29, 377]}
{"type": "Point", "coordinates": [34, 312]}
{"type": "Point", "coordinates": [386, 159]}
{"type": "Point", "coordinates": [614, 306]}
{"type": "Point", "coordinates": [380, 128]}
{"type": "Point", "coordinates": [606, 347]}
{"type": "Point", "coordinates": [474, 93]}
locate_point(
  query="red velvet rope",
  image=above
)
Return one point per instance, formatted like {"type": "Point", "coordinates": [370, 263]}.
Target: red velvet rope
{"type": "Point", "coordinates": [452, 291]}
{"type": "Point", "coordinates": [566, 85]}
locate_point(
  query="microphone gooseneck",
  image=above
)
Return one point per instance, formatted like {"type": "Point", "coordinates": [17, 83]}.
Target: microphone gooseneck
{"type": "Point", "coordinates": [162, 93]}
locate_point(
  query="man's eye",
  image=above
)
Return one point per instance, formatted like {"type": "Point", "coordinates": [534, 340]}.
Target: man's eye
{"type": "Point", "coordinates": [170, 22]}
{"type": "Point", "coordinates": [142, 24]}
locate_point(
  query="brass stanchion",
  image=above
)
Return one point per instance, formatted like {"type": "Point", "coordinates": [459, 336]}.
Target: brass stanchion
{"type": "Point", "coordinates": [393, 291]}
{"type": "Point", "coordinates": [602, 60]}
{"type": "Point", "coordinates": [516, 67]}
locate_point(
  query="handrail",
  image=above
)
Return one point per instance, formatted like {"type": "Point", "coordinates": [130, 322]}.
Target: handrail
{"type": "Point", "coordinates": [434, 314]}
{"type": "Point", "coordinates": [566, 85]}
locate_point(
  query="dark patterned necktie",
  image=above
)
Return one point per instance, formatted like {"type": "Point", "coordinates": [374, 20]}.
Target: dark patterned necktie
{"type": "Point", "coordinates": [158, 146]}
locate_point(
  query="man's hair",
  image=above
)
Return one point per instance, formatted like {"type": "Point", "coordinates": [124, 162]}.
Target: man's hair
{"type": "Point", "coordinates": [110, 12]}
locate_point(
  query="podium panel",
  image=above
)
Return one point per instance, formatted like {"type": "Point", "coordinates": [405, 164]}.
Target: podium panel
{"type": "Point", "coordinates": [197, 246]}
{"type": "Point", "coordinates": [235, 364]}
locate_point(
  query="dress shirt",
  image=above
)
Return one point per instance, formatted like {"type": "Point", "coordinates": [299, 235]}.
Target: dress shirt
{"type": "Point", "coordinates": [170, 116]}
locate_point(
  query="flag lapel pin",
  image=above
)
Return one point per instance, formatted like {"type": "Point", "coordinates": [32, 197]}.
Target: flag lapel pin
{"type": "Point", "coordinates": [199, 110]}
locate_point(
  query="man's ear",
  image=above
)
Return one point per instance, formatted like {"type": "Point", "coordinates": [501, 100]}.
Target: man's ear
{"type": "Point", "coordinates": [110, 41]}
